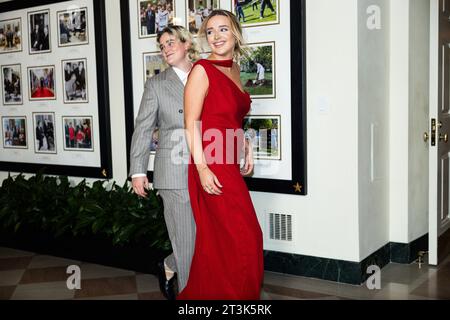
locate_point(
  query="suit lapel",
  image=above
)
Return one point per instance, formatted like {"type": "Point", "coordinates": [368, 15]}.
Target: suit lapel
{"type": "Point", "coordinates": [175, 84]}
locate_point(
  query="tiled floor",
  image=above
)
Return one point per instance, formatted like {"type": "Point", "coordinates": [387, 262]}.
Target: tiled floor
{"type": "Point", "coordinates": [25, 276]}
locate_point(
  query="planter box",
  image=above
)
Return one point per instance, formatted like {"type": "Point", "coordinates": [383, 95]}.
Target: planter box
{"type": "Point", "coordinates": [89, 248]}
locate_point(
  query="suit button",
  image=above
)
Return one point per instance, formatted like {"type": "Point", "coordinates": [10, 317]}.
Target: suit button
{"type": "Point", "coordinates": [180, 111]}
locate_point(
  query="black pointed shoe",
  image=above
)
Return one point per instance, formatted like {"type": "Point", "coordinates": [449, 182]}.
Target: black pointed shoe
{"type": "Point", "coordinates": [169, 288]}
{"type": "Point", "coordinates": [172, 288]}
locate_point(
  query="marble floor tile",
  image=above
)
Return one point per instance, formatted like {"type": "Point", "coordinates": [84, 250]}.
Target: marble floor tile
{"type": "Point", "coordinates": [273, 296]}
{"type": "Point", "coordinates": [43, 291]}
{"type": "Point", "coordinates": [106, 287]}
{"type": "Point", "coordinates": [11, 277]}
{"type": "Point", "coordinates": [436, 286]}
{"type": "Point", "coordinates": [44, 275]}
{"type": "Point", "coordinates": [14, 263]}
{"type": "Point", "coordinates": [42, 261]}
{"type": "Point", "coordinates": [133, 296]}
{"type": "Point", "coordinates": [6, 292]}
{"type": "Point", "coordinates": [13, 253]}
{"type": "Point", "coordinates": [147, 283]}
{"type": "Point", "coordinates": [157, 295]}
{"type": "Point", "coordinates": [96, 271]}
{"type": "Point", "coordinates": [295, 293]}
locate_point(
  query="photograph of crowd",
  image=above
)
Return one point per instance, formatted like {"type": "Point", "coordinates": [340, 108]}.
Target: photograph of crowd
{"type": "Point", "coordinates": [11, 35]}
{"type": "Point", "coordinates": [265, 134]}
{"type": "Point", "coordinates": [198, 10]}
{"type": "Point", "coordinates": [12, 84]}
{"type": "Point", "coordinates": [153, 64]}
{"type": "Point", "coordinates": [39, 30]}
{"type": "Point", "coordinates": [78, 133]}
{"type": "Point", "coordinates": [44, 124]}
{"type": "Point", "coordinates": [258, 70]}
{"type": "Point", "coordinates": [155, 15]}
{"type": "Point", "coordinates": [42, 83]}
{"type": "Point", "coordinates": [14, 132]}
{"type": "Point", "coordinates": [73, 27]}
{"type": "Point", "coordinates": [256, 12]}
{"type": "Point", "coordinates": [75, 88]}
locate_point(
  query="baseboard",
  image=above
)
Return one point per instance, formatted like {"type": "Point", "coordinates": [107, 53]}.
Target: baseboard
{"type": "Point", "coordinates": [406, 253]}
{"type": "Point", "coordinates": [340, 270]}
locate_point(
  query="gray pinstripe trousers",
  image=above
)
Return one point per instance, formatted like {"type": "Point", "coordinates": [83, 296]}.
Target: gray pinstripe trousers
{"type": "Point", "coordinates": [181, 228]}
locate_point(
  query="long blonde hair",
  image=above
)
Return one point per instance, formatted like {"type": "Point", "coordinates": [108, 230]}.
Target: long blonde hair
{"type": "Point", "coordinates": [184, 36]}
{"type": "Point", "coordinates": [236, 30]}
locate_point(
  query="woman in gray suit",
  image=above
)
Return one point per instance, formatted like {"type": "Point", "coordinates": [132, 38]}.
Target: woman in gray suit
{"type": "Point", "coordinates": [162, 108]}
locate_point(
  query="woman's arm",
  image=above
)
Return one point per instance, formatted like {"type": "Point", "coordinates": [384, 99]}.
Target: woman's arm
{"type": "Point", "coordinates": [194, 96]}
{"type": "Point", "coordinates": [146, 123]}
{"type": "Point", "coordinates": [248, 148]}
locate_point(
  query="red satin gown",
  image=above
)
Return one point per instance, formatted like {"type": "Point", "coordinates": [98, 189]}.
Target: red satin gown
{"type": "Point", "coordinates": [228, 259]}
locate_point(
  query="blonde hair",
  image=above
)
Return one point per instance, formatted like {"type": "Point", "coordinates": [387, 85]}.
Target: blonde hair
{"type": "Point", "coordinates": [236, 30]}
{"type": "Point", "coordinates": [185, 37]}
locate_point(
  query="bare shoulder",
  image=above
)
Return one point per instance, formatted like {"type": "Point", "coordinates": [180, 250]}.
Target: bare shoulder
{"type": "Point", "coordinates": [198, 76]}
{"type": "Point", "coordinates": [198, 71]}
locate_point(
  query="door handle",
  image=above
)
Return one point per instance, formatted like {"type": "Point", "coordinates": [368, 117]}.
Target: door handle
{"type": "Point", "coordinates": [443, 137]}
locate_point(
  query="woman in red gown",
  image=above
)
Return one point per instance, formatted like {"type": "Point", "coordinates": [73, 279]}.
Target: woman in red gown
{"type": "Point", "coordinates": [228, 257]}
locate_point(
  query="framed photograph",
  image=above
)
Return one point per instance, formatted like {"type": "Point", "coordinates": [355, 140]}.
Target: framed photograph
{"type": "Point", "coordinates": [11, 35]}
{"type": "Point", "coordinates": [12, 85]}
{"type": "Point", "coordinates": [277, 44]}
{"type": "Point", "coordinates": [258, 70]}
{"type": "Point", "coordinates": [39, 32]}
{"type": "Point", "coordinates": [14, 132]}
{"type": "Point", "coordinates": [197, 11]}
{"type": "Point", "coordinates": [264, 132]}
{"type": "Point", "coordinates": [44, 133]}
{"type": "Point", "coordinates": [253, 13]}
{"type": "Point", "coordinates": [75, 81]}
{"type": "Point", "coordinates": [153, 64]}
{"type": "Point", "coordinates": [41, 82]}
{"type": "Point", "coordinates": [72, 34]}
{"type": "Point", "coordinates": [77, 133]}
{"type": "Point", "coordinates": [154, 16]}
{"type": "Point", "coordinates": [73, 27]}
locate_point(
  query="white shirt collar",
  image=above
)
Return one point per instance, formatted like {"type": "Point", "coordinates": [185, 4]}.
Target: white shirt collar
{"type": "Point", "coordinates": [181, 74]}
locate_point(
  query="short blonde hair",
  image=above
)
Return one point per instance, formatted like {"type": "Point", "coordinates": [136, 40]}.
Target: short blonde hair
{"type": "Point", "coordinates": [184, 36]}
{"type": "Point", "coordinates": [236, 30]}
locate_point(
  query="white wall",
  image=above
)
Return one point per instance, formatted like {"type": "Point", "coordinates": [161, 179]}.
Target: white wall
{"type": "Point", "coordinates": [418, 118]}
{"type": "Point", "coordinates": [373, 121]}
{"type": "Point", "coordinates": [409, 119]}
{"type": "Point", "coordinates": [399, 101]}
{"type": "Point", "coordinates": [326, 220]}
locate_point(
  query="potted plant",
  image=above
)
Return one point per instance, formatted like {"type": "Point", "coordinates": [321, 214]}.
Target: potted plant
{"type": "Point", "coordinates": [108, 225]}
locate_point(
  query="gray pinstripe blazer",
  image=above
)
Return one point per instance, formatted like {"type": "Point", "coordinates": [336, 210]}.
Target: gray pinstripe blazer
{"type": "Point", "coordinates": [161, 107]}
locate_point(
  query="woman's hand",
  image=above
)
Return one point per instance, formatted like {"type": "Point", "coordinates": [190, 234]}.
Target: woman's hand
{"type": "Point", "coordinates": [209, 181]}
{"type": "Point", "coordinates": [248, 164]}
{"type": "Point", "coordinates": [139, 186]}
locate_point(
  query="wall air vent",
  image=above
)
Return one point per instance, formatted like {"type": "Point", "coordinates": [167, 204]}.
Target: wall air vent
{"type": "Point", "coordinates": [280, 227]}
